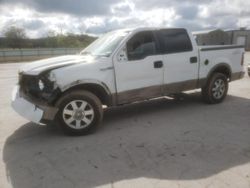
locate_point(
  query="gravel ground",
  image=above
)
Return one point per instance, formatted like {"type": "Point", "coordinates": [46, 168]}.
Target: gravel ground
{"type": "Point", "coordinates": [160, 143]}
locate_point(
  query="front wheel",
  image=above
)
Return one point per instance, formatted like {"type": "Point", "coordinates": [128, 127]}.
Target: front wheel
{"type": "Point", "coordinates": [216, 89]}
{"type": "Point", "coordinates": [80, 113]}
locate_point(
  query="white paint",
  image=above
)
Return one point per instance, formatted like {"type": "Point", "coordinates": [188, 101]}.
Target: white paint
{"type": "Point", "coordinates": [231, 57]}
{"type": "Point", "coordinates": [119, 75]}
{"type": "Point", "coordinates": [25, 108]}
{"type": "Point", "coordinates": [39, 66]}
{"type": "Point", "coordinates": [177, 66]}
{"type": "Point", "coordinates": [138, 74]}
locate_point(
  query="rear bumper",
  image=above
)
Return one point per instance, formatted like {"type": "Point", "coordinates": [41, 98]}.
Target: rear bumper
{"type": "Point", "coordinates": [31, 111]}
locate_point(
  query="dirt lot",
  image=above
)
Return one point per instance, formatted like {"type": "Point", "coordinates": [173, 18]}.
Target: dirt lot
{"type": "Point", "coordinates": [161, 143]}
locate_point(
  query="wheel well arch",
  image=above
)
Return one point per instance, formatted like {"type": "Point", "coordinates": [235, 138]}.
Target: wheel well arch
{"type": "Point", "coordinates": [221, 68]}
{"type": "Point", "coordinates": [97, 89]}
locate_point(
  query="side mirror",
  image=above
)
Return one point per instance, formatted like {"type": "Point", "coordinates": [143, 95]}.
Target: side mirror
{"type": "Point", "coordinates": [122, 55]}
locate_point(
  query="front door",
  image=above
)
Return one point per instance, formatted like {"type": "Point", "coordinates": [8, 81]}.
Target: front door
{"type": "Point", "coordinates": [139, 76]}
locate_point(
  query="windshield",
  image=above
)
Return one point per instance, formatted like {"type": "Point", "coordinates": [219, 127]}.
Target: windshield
{"type": "Point", "coordinates": [106, 44]}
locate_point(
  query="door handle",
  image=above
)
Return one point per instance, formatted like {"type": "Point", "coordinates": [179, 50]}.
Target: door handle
{"type": "Point", "coordinates": [193, 59]}
{"type": "Point", "coordinates": [158, 64]}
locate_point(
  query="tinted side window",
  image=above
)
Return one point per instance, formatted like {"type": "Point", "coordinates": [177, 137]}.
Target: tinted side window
{"type": "Point", "coordinates": [175, 40]}
{"type": "Point", "coordinates": [141, 45]}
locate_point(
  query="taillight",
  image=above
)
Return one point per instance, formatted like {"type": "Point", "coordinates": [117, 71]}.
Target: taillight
{"type": "Point", "coordinates": [242, 59]}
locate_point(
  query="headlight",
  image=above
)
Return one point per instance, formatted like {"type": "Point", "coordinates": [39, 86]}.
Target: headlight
{"type": "Point", "coordinates": [52, 77]}
{"type": "Point", "coordinates": [41, 85]}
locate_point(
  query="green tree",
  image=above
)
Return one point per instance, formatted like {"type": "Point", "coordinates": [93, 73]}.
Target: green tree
{"type": "Point", "coordinates": [51, 34]}
{"type": "Point", "coordinates": [15, 33]}
{"type": "Point", "coordinates": [15, 37]}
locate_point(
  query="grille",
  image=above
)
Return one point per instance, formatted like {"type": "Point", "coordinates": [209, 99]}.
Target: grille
{"type": "Point", "coordinates": [29, 85]}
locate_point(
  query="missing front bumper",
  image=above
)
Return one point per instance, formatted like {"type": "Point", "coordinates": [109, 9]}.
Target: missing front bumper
{"type": "Point", "coordinates": [33, 112]}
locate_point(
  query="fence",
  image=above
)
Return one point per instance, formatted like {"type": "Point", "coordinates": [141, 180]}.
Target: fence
{"type": "Point", "coordinates": [15, 55]}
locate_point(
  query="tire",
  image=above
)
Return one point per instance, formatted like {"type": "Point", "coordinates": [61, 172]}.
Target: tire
{"type": "Point", "coordinates": [80, 113]}
{"type": "Point", "coordinates": [216, 89]}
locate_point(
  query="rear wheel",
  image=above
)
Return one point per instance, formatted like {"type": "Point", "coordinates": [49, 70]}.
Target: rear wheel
{"type": "Point", "coordinates": [216, 89]}
{"type": "Point", "coordinates": [80, 113]}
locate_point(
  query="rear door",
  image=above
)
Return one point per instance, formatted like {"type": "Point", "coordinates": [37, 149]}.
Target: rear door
{"type": "Point", "coordinates": [139, 69]}
{"type": "Point", "coordinates": [180, 59]}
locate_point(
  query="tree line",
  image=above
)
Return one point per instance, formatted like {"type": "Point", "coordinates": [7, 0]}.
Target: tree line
{"type": "Point", "coordinates": [15, 37]}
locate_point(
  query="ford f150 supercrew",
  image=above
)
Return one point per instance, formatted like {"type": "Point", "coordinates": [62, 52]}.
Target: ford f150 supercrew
{"type": "Point", "coordinates": [122, 67]}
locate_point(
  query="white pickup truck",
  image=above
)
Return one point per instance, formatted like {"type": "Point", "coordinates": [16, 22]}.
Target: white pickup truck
{"type": "Point", "coordinates": [122, 67]}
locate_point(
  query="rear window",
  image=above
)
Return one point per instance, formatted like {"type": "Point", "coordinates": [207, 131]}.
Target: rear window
{"type": "Point", "coordinates": [175, 41]}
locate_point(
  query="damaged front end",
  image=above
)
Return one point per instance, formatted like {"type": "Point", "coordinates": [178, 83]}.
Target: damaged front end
{"type": "Point", "coordinates": [40, 88]}
{"type": "Point", "coordinates": [34, 97]}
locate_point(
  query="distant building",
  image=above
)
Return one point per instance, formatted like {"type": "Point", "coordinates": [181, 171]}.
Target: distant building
{"type": "Point", "coordinates": [241, 37]}
{"type": "Point", "coordinates": [212, 37]}
{"type": "Point", "coordinates": [221, 37]}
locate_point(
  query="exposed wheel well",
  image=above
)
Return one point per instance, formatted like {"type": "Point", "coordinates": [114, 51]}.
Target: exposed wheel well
{"type": "Point", "coordinates": [96, 89]}
{"type": "Point", "coordinates": [220, 68]}
{"type": "Point", "coordinates": [224, 69]}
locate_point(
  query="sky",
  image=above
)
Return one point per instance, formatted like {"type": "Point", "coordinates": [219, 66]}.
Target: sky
{"type": "Point", "coordinates": [40, 17]}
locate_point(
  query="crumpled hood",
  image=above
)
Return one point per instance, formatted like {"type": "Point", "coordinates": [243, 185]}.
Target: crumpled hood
{"type": "Point", "coordinates": [37, 67]}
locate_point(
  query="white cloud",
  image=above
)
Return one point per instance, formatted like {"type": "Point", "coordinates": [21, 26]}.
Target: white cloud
{"type": "Point", "coordinates": [38, 17]}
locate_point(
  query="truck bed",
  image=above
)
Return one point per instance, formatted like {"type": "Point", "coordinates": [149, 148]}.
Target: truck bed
{"type": "Point", "coordinates": [211, 56]}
